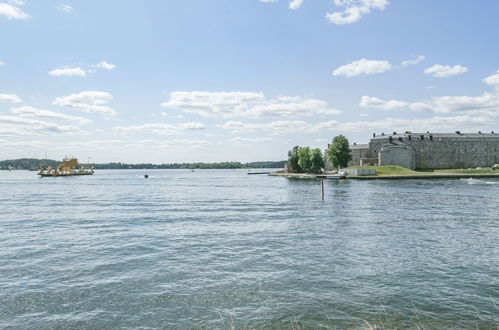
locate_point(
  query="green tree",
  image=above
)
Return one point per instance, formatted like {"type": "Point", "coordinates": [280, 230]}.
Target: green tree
{"type": "Point", "coordinates": [316, 160]}
{"type": "Point", "coordinates": [293, 160]}
{"type": "Point", "coordinates": [304, 158]}
{"type": "Point", "coordinates": [339, 152]}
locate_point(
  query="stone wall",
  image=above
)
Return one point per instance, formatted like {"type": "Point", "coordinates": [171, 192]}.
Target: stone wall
{"type": "Point", "coordinates": [441, 151]}
{"type": "Point", "coordinates": [359, 151]}
{"type": "Point", "coordinates": [401, 155]}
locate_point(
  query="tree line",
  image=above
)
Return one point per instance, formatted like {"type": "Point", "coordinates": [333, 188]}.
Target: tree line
{"type": "Point", "coordinates": [34, 164]}
{"type": "Point", "coordinates": [307, 160]}
{"type": "Point", "coordinates": [192, 166]}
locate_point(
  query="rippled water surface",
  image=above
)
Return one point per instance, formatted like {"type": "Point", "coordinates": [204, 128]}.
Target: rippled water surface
{"type": "Point", "coordinates": [221, 249]}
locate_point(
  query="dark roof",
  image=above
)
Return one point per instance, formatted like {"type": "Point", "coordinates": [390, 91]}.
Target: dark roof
{"type": "Point", "coordinates": [437, 135]}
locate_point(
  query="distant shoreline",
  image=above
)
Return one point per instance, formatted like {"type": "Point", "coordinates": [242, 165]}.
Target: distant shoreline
{"type": "Point", "coordinates": [34, 164]}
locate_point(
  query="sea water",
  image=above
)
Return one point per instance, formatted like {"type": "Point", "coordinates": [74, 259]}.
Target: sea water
{"type": "Point", "coordinates": [223, 249]}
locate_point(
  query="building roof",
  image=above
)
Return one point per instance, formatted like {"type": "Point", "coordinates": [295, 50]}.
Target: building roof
{"type": "Point", "coordinates": [438, 135]}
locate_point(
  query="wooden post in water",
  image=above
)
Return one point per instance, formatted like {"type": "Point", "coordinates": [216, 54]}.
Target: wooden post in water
{"type": "Point", "coordinates": [322, 184]}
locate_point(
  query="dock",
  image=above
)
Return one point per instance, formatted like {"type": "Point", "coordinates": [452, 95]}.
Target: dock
{"type": "Point", "coordinates": [308, 176]}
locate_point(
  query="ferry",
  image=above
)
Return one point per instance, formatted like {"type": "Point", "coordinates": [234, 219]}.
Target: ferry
{"type": "Point", "coordinates": [68, 167]}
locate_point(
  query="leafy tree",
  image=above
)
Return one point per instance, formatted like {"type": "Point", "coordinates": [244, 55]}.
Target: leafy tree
{"type": "Point", "coordinates": [304, 158]}
{"type": "Point", "coordinates": [339, 152]}
{"type": "Point", "coordinates": [293, 159]}
{"type": "Point", "coordinates": [316, 160]}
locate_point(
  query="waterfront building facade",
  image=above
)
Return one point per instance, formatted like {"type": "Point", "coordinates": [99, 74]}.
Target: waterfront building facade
{"type": "Point", "coordinates": [429, 150]}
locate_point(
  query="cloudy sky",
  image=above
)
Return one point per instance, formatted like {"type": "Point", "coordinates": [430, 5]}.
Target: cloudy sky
{"type": "Point", "coordinates": [244, 80]}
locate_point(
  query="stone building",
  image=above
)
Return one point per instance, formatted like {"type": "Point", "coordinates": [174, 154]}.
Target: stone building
{"type": "Point", "coordinates": [429, 150]}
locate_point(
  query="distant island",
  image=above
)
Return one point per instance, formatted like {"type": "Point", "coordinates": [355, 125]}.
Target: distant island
{"type": "Point", "coordinates": [34, 164]}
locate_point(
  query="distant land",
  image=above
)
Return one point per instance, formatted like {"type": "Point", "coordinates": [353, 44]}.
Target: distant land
{"type": "Point", "coordinates": [34, 164]}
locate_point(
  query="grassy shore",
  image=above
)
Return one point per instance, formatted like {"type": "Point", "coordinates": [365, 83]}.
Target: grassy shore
{"type": "Point", "coordinates": [389, 170]}
{"type": "Point", "coordinates": [398, 172]}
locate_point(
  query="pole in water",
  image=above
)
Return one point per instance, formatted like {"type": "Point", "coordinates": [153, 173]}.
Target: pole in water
{"type": "Point", "coordinates": [322, 184]}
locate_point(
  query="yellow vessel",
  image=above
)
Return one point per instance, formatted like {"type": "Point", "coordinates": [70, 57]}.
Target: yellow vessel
{"type": "Point", "coordinates": [68, 167]}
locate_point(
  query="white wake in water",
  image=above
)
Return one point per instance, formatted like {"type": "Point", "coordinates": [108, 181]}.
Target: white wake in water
{"type": "Point", "coordinates": [477, 181]}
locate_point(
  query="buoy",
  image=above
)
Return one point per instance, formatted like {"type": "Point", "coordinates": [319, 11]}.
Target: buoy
{"type": "Point", "coordinates": [146, 176]}
{"type": "Point", "coordinates": [322, 184]}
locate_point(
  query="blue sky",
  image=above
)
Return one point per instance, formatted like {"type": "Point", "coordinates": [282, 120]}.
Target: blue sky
{"type": "Point", "coordinates": [244, 80]}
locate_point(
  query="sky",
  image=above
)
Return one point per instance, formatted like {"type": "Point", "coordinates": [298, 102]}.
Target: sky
{"type": "Point", "coordinates": [239, 80]}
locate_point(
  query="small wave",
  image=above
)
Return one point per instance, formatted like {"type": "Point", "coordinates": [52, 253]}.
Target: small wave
{"type": "Point", "coordinates": [477, 181]}
{"type": "Point", "coordinates": [473, 181]}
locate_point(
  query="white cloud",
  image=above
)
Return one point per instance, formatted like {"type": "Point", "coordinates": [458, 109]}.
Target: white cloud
{"type": "Point", "coordinates": [12, 11]}
{"type": "Point", "coordinates": [245, 104]}
{"type": "Point", "coordinates": [104, 65]}
{"type": "Point", "coordinates": [276, 127]}
{"type": "Point", "coordinates": [18, 125]}
{"type": "Point", "coordinates": [413, 61]}
{"type": "Point", "coordinates": [492, 80]}
{"type": "Point", "coordinates": [486, 104]}
{"type": "Point", "coordinates": [248, 141]}
{"type": "Point", "coordinates": [414, 124]}
{"type": "Point", "coordinates": [295, 4]}
{"type": "Point", "coordinates": [374, 102]}
{"type": "Point", "coordinates": [354, 10]}
{"type": "Point", "coordinates": [161, 128]}
{"type": "Point", "coordinates": [421, 124]}
{"type": "Point", "coordinates": [362, 66]}
{"type": "Point", "coordinates": [443, 71]}
{"type": "Point", "coordinates": [67, 71]}
{"type": "Point", "coordinates": [2, 63]}
{"type": "Point", "coordinates": [78, 71]}
{"type": "Point", "coordinates": [12, 98]}
{"type": "Point", "coordinates": [24, 144]}
{"type": "Point", "coordinates": [27, 111]}
{"type": "Point", "coordinates": [65, 7]}
{"type": "Point", "coordinates": [88, 101]}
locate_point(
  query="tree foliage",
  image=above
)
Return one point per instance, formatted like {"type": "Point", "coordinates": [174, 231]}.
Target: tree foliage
{"type": "Point", "coordinates": [304, 158]}
{"type": "Point", "coordinates": [293, 160]}
{"type": "Point", "coordinates": [316, 160]}
{"type": "Point", "coordinates": [339, 152]}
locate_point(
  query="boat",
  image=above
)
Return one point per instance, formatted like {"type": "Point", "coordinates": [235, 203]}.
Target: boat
{"type": "Point", "coordinates": [68, 167]}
